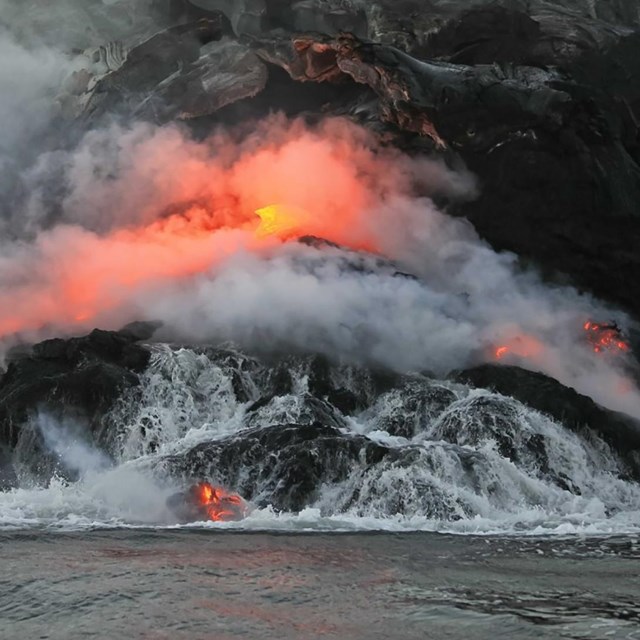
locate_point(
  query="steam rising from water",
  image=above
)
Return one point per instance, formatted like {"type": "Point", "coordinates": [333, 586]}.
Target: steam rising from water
{"type": "Point", "coordinates": [104, 491]}
{"type": "Point", "coordinates": [65, 441]}
{"type": "Point", "coordinates": [133, 221]}
{"type": "Point", "coordinates": [138, 221]}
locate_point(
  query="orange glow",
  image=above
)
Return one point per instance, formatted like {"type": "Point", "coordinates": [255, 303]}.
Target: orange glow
{"type": "Point", "coordinates": [501, 351]}
{"type": "Point", "coordinates": [605, 338]}
{"type": "Point", "coordinates": [94, 275]}
{"type": "Point", "coordinates": [182, 212]}
{"type": "Point", "coordinates": [219, 504]}
{"type": "Point", "coordinates": [522, 346]}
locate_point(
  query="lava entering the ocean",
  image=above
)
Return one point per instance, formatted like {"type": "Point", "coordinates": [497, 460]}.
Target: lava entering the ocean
{"type": "Point", "coordinates": [219, 504]}
{"type": "Point", "coordinates": [204, 501]}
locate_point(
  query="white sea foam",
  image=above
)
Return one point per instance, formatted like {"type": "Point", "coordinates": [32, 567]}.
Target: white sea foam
{"type": "Point", "coordinates": [463, 487]}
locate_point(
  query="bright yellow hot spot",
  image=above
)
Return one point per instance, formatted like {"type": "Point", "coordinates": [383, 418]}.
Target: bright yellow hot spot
{"type": "Point", "coordinates": [281, 220]}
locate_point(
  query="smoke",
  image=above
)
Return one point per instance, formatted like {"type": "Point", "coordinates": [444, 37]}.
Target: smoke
{"type": "Point", "coordinates": [119, 492]}
{"type": "Point", "coordinates": [46, 57]}
{"type": "Point", "coordinates": [30, 78]}
{"type": "Point", "coordinates": [155, 225]}
{"type": "Point", "coordinates": [64, 439]}
{"type": "Point", "coordinates": [146, 222]}
{"type": "Point", "coordinates": [75, 25]}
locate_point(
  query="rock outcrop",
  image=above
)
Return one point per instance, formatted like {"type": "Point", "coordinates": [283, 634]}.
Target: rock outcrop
{"type": "Point", "coordinates": [541, 100]}
{"type": "Point", "coordinates": [284, 465]}
{"type": "Point", "coordinates": [79, 378]}
{"type": "Point", "coordinates": [563, 404]}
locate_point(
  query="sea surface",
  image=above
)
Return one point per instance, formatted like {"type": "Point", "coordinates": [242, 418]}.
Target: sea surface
{"type": "Point", "coordinates": [210, 584]}
{"type": "Point", "coordinates": [445, 540]}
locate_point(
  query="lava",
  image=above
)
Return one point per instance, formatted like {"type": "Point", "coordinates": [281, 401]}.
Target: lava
{"type": "Point", "coordinates": [204, 501]}
{"type": "Point", "coordinates": [501, 352]}
{"type": "Point", "coordinates": [605, 337]}
{"type": "Point", "coordinates": [521, 345]}
{"type": "Point", "coordinates": [282, 221]}
{"type": "Point", "coordinates": [218, 504]}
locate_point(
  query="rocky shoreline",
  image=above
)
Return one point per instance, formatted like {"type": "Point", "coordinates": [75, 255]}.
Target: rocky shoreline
{"type": "Point", "coordinates": [539, 100]}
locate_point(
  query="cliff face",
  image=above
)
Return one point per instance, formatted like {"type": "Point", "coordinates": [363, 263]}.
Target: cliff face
{"type": "Point", "coordinates": [541, 100]}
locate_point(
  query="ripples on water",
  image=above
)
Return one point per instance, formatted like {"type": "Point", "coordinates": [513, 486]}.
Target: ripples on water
{"type": "Point", "coordinates": [215, 585]}
{"type": "Point", "coordinates": [70, 570]}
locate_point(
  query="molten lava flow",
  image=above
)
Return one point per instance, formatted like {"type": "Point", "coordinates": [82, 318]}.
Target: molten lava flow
{"type": "Point", "coordinates": [282, 221]}
{"type": "Point", "coordinates": [176, 209]}
{"type": "Point", "coordinates": [605, 337]}
{"type": "Point", "coordinates": [218, 504]}
{"type": "Point", "coordinates": [288, 222]}
{"type": "Point", "coordinates": [501, 352]}
{"type": "Point", "coordinates": [522, 346]}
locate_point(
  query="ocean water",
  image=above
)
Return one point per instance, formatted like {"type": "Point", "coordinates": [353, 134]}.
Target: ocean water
{"type": "Point", "coordinates": [450, 476]}
{"type": "Point", "coordinates": [491, 549]}
{"type": "Point", "coordinates": [206, 584]}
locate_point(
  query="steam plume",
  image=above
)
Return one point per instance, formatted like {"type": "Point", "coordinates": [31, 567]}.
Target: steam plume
{"type": "Point", "coordinates": [139, 221]}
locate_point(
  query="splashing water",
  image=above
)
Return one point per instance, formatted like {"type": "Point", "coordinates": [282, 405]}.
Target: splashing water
{"type": "Point", "coordinates": [460, 460]}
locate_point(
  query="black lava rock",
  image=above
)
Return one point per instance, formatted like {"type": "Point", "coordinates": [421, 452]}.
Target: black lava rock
{"type": "Point", "coordinates": [284, 465]}
{"type": "Point", "coordinates": [563, 404]}
{"type": "Point", "coordinates": [80, 376]}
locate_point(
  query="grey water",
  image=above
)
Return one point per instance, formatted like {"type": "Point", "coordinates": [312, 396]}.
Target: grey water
{"type": "Point", "coordinates": [207, 584]}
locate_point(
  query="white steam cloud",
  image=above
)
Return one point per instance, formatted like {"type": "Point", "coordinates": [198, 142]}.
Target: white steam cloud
{"type": "Point", "coordinates": [145, 222]}
{"type": "Point", "coordinates": [65, 441]}
{"type": "Point", "coordinates": [120, 493]}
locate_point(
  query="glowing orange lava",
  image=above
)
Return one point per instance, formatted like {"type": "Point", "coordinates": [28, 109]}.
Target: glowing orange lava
{"type": "Point", "coordinates": [522, 346]}
{"type": "Point", "coordinates": [605, 337]}
{"type": "Point", "coordinates": [219, 504]}
{"type": "Point", "coordinates": [282, 221]}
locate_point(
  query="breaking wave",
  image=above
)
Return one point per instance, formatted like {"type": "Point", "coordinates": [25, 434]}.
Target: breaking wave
{"type": "Point", "coordinates": [412, 454]}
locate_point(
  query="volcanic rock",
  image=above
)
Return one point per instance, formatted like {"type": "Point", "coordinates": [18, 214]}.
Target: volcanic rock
{"type": "Point", "coordinates": [247, 17]}
{"type": "Point", "coordinates": [137, 73]}
{"type": "Point", "coordinates": [305, 410]}
{"type": "Point", "coordinates": [539, 32]}
{"type": "Point", "coordinates": [8, 477]}
{"type": "Point", "coordinates": [411, 406]}
{"type": "Point", "coordinates": [563, 404]}
{"type": "Point", "coordinates": [225, 73]}
{"type": "Point", "coordinates": [284, 465]}
{"type": "Point", "coordinates": [80, 377]}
